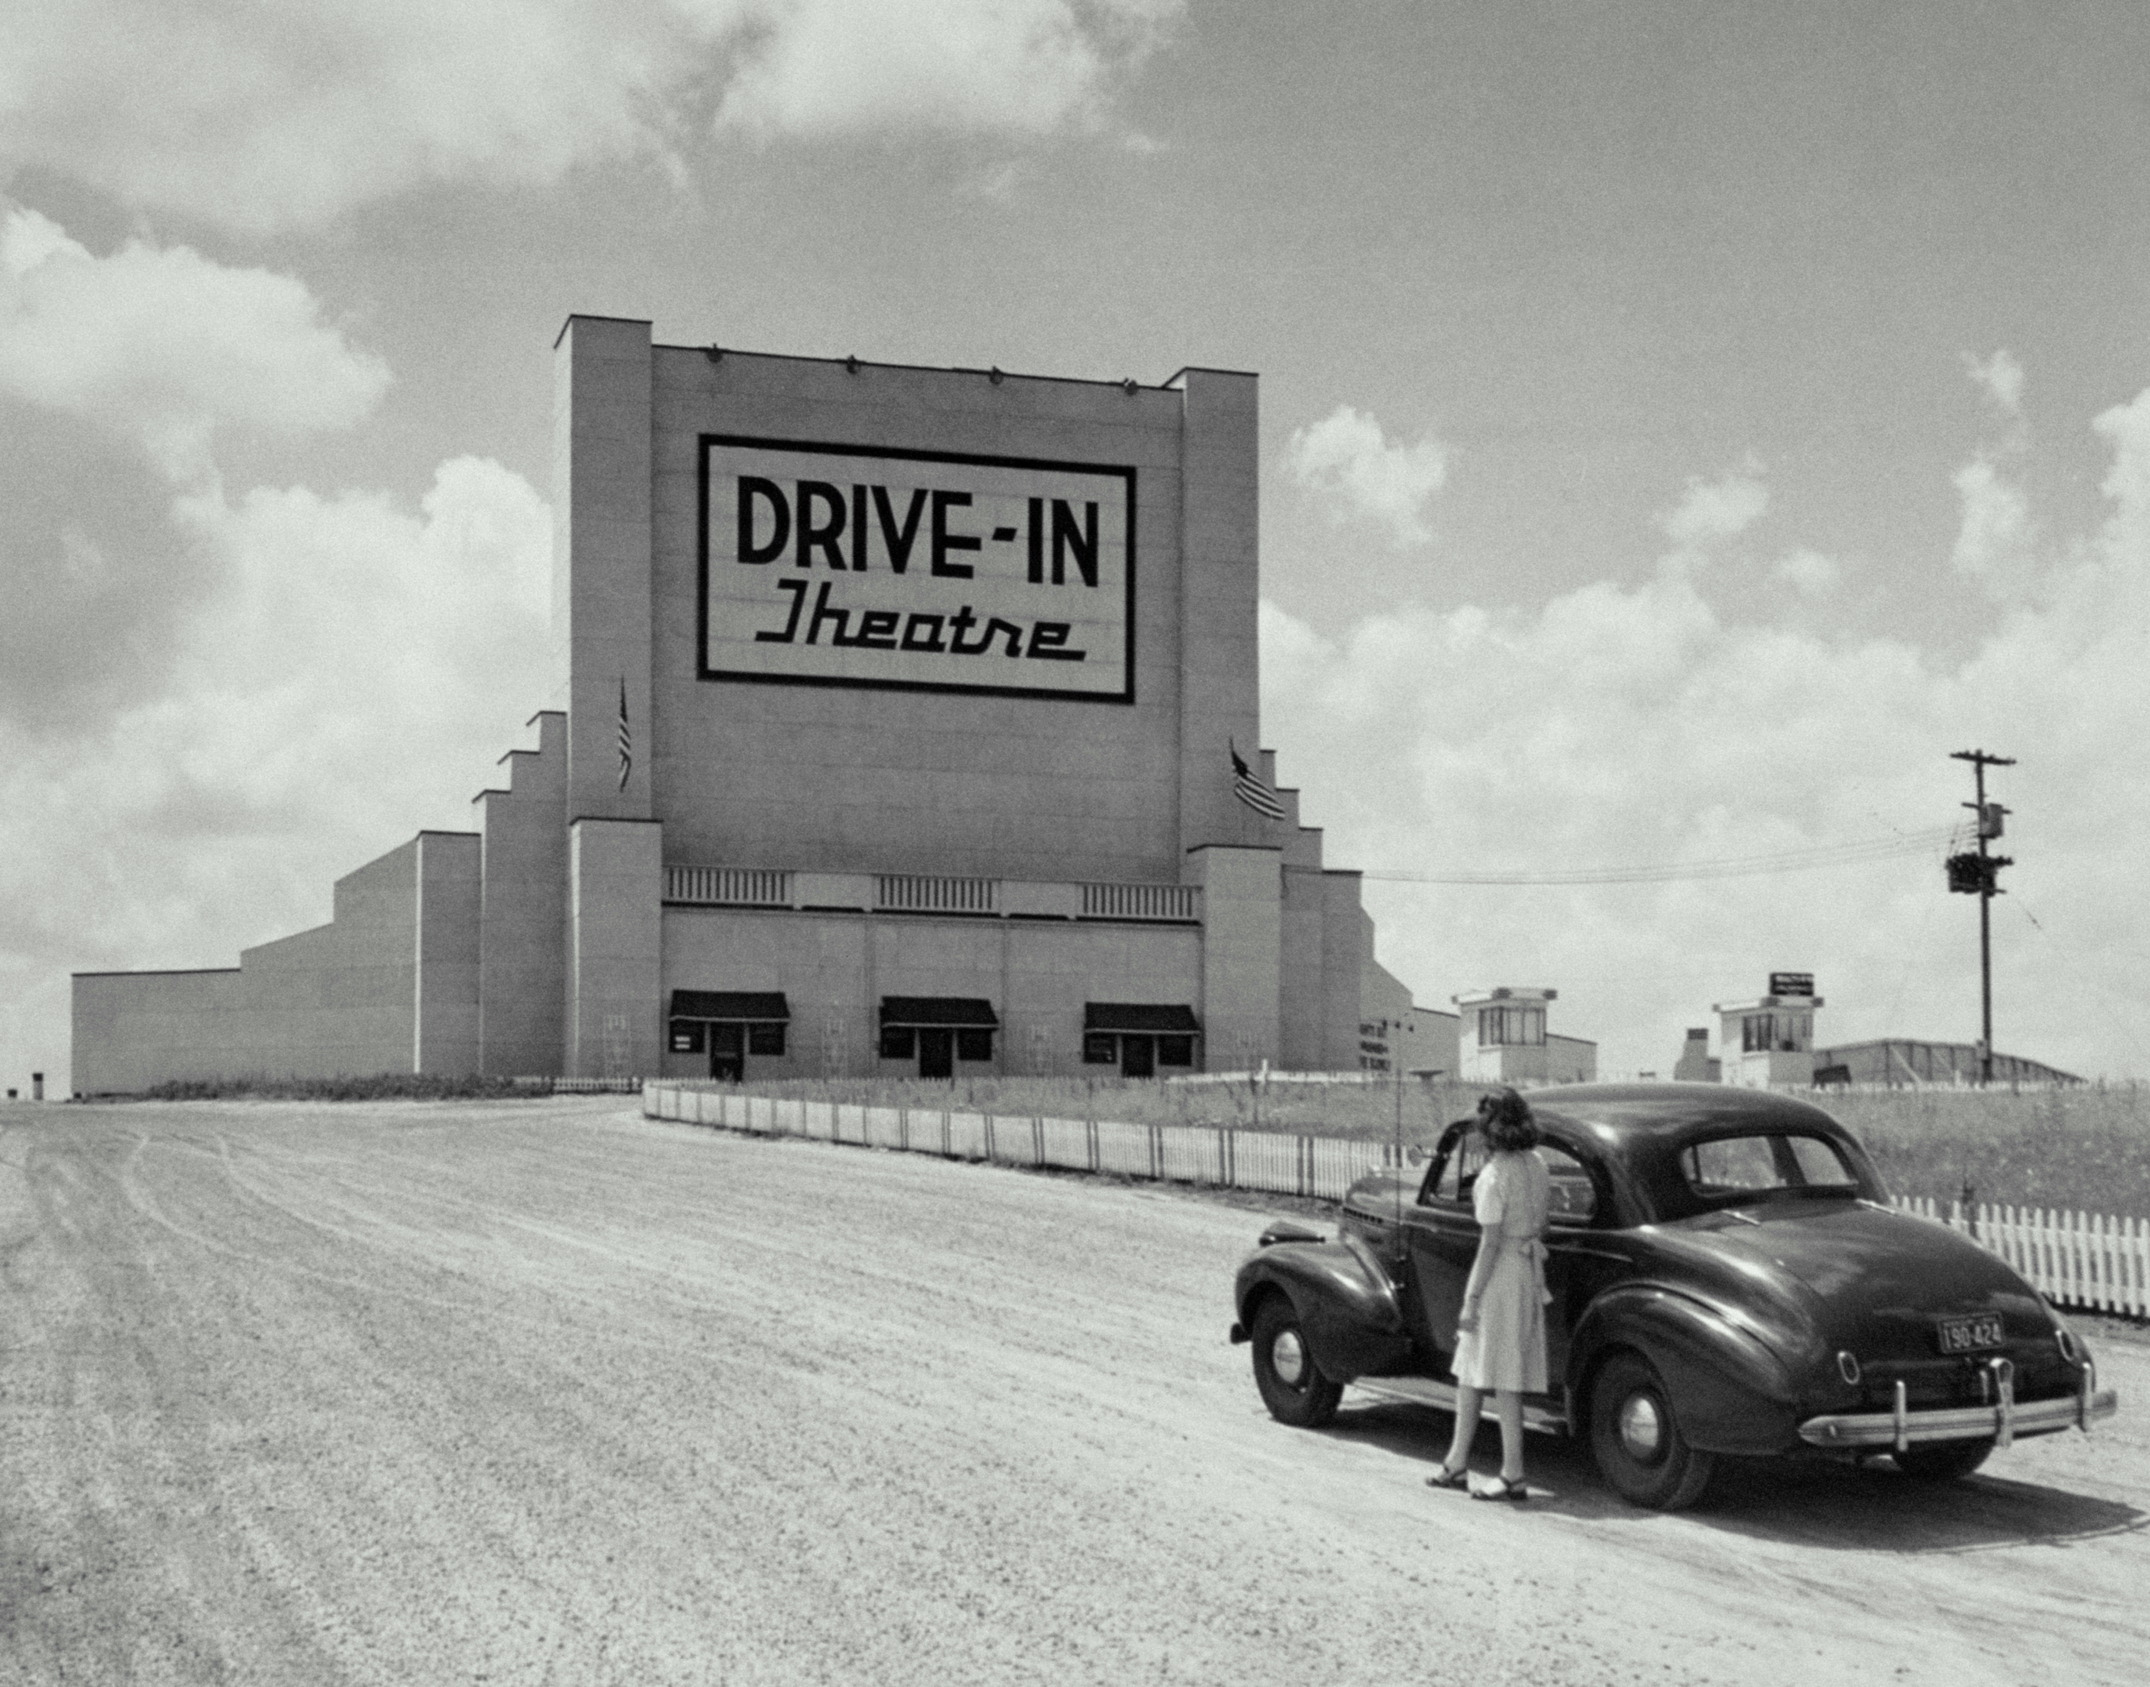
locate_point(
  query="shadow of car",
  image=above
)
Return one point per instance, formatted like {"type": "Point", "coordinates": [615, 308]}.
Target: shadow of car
{"type": "Point", "coordinates": [1728, 1281]}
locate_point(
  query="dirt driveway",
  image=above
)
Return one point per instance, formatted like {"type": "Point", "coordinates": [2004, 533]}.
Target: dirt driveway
{"type": "Point", "coordinates": [545, 1392]}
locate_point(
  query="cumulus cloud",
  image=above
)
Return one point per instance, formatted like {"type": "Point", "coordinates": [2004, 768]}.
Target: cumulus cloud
{"type": "Point", "coordinates": [209, 714]}
{"type": "Point", "coordinates": [1357, 472]}
{"type": "Point", "coordinates": [1809, 573]}
{"type": "Point", "coordinates": [164, 345]}
{"type": "Point", "coordinates": [352, 675]}
{"type": "Point", "coordinates": [1712, 511]}
{"type": "Point", "coordinates": [1621, 725]}
{"type": "Point", "coordinates": [2000, 378]}
{"type": "Point", "coordinates": [831, 67]}
{"type": "Point", "coordinates": [267, 119]}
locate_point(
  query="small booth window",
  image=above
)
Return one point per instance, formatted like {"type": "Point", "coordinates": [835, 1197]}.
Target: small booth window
{"type": "Point", "coordinates": [899, 1042]}
{"type": "Point", "coordinates": [1100, 1048]}
{"type": "Point", "coordinates": [974, 1043]}
{"type": "Point", "coordinates": [687, 1036]}
{"type": "Point", "coordinates": [1175, 1051]}
{"type": "Point", "coordinates": [765, 1039]}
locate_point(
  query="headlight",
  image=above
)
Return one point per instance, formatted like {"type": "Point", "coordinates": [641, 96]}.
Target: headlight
{"type": "Point", "coordinates": [1847, 1367]}
{"type": "Point", "coordinates": [2070, 1349]}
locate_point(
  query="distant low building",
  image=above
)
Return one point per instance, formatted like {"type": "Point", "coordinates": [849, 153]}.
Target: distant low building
{"type": "Point", "coordinates": [1502, 1039]}
{"type": "Point", "coordinates": [1906, 1063]}
{"type": "Point", "coordinates": [1696, 1064]}
{"type": "Point", "coordinates": [1397, 1035]}
{"type": "Point", "coordinates": [1767, 1043]}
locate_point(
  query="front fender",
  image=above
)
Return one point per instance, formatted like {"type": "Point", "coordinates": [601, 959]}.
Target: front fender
{"type": "Point", "coordinates": [1346, 1303]}
{"type": "Point", "coordinates": [1731, 1392]}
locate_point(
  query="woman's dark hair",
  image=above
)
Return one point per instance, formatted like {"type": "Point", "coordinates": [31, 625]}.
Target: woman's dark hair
{"type": "Point", "coordinates": [1505, 1122]}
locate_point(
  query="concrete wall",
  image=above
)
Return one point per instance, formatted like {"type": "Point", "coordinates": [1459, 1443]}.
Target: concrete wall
{"type": "Point", "coordinates": [835, 778]}
{"type": "Point", "coordinates": [389, 985]}
{"type": "Point", "coordinates": [523, 911]}
{"type": "Point", "coordinates": [135, 1029]}
{"type": "Point", "coordinates": [615, 933]}
{"type": "Point", "coordinates": [833, 970]}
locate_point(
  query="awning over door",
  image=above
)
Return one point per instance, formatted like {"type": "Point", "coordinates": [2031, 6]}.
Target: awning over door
{"type": "Point", "coordinates": [1140, 1017]}
{"type": "Point", "coordinates": [754, 1006]}
{"type": "Point", "coordinates": [937, 1010]}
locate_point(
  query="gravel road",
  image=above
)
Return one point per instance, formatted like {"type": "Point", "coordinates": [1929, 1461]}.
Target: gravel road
{"type": "Point", "coordinates": [547, 1392]}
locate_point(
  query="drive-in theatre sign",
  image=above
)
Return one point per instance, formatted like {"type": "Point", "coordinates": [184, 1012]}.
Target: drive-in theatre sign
{"type": "Point", "coordinates": [923, 571]}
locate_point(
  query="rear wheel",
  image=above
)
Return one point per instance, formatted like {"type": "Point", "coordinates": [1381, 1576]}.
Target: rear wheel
{"type": "Point", "coordinates": [1293, 1390]}
{"type": "Point", "coordinates": [1635, 1437]}
{"type": "Point", "coordinates": [1942, 1461]}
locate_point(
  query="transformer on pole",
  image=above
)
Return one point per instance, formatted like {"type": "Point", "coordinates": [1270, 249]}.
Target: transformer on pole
{"type": "Point", "coordinates": [1977, 873]}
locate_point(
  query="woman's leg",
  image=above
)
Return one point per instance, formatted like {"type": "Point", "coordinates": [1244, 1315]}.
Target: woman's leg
{"type": "Point", "coordinates": [1469, 1402]}
{"type": "Point", "coordinates": [1509, 1404]}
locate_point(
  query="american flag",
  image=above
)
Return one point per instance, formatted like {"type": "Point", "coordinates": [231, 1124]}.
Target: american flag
{"type": "Point", "coordinates": [1247, 786]}
{"type": "Point", "coordinates": [627, 738]}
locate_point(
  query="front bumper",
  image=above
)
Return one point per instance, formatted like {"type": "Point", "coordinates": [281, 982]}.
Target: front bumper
{"type": "Point", "coordinates": [2004, 1420]}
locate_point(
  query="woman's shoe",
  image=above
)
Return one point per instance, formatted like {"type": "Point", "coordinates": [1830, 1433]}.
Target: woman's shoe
{"type": "Point", "coordinates": [1443, 1477]}
{"type": "Point", "coordinates": [1502, 1489]}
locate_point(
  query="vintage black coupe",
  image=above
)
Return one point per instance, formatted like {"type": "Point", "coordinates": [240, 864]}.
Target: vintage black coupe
{"type": "Point", "coordinates": [1728, 1279]}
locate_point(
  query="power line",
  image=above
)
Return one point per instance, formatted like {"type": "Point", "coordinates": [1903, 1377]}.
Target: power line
{"type": "Point", "coordinates": [1898, 846]}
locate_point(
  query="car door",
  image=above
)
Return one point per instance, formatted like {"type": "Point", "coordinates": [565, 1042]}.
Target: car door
{"type": "Point", "coordinates": [1444, 1244]}
{"type": "Point", "coordinates": [1443, 1239]}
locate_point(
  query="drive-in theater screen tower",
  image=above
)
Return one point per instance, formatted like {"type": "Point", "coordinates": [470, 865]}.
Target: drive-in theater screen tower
{"type": "Point", "coordinates": [894, 733]}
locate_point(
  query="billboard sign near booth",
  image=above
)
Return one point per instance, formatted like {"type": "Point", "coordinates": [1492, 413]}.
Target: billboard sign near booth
{"type": "Point", "coordinates": [917, 571]}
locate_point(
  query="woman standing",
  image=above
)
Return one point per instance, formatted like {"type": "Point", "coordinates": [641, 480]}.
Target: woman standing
{"type": "Point", "coordinates": [1500, 1333]}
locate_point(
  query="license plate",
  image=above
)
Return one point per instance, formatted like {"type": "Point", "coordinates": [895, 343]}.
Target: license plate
{"type": "Point", "coordinates": [1972, 1334]}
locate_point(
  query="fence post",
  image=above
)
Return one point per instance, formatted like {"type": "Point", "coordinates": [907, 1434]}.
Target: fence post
{"type": "Point", "coordinates": [1037, 1139]}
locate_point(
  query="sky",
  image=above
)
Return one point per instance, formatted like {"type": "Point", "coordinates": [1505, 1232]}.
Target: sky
{"type": "Point", "coordinates": [1682, 427]}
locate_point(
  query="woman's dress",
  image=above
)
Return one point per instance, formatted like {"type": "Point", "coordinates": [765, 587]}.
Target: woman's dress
{"type": "Point", "coordinates": [1513, 1203]}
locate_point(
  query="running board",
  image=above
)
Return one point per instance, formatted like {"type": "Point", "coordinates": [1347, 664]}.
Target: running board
{"type": "Point", "coordinates": [1424, 1391]}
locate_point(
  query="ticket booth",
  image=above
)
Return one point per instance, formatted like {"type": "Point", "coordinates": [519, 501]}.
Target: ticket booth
{"type": "Point", "coordinates": [727, 1026]}
{"type": "Point", "coordinates": [1768, 1043]}
{"type": "Point", "coordinates": [1140, 1038]}
{"type": "Point", "coordinates": [938, 1032]}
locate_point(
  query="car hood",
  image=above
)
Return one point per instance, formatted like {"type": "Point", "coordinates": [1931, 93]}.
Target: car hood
{"type": "Point", "coordinates": [1875, 1280]}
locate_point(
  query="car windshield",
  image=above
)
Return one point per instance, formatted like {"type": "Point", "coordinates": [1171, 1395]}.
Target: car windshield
{"type": "Point", "coordinates": [1727, 1170]}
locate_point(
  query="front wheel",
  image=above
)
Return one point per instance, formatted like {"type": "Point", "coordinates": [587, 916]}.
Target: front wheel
{"type": "Point", "coordinates": [1942, 1461]}
{"type": "Point", "coordinates": [1635, 1437]}
{"type": "Point", "coordinates": [1293, 1390]}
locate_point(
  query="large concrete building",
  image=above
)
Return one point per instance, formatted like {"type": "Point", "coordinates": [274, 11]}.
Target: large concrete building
{"type": "Point", "coordinates": [906, 722]}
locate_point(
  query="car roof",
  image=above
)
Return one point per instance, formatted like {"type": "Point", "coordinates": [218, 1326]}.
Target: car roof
{"type": "Point", "coordinates": [1633, 1115]}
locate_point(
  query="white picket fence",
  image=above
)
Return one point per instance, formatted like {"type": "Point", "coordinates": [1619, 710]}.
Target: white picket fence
{"type": "Point", "coordinates": [2090, 1260]}
{"type": "Point", "coordinates": [2075, 1259]}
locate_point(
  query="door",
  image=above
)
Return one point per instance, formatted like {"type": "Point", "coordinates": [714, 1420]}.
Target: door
{"type": "Point", "coordinates": [1444, 1238]}
{"type": "Point", "coordinates": [727, 1052]}
{"type": "Point", "coordinates": [936, 1052]}
{"type": "Point", "coordinates": [1138, 1057]}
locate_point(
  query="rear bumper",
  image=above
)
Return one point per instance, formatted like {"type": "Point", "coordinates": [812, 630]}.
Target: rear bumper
{"type": "Point", "coordinates": [2003, 1421]}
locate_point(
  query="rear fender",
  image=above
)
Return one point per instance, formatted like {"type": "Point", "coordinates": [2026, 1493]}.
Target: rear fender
{"type": "Point", "coordinates": [1731, 1392]}
{"type": "Point", "coordinates": [1346, 1303]}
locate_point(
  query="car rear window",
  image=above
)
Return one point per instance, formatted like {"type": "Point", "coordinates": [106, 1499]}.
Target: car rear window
{"type": "Point", "coordinates": [1731, 1168]}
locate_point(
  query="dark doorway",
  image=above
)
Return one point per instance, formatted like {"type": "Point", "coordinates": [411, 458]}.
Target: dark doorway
{"type": "Point", "coordinates": [1138, 1057]}
{"type": "Point", "coordinates": [727, 1052]}
{"type": "Point", "coordinates": [936, 1051]}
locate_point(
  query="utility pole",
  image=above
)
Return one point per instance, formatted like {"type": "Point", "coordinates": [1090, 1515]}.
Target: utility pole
{"type": "Point", "coordinates": [1976, 873]}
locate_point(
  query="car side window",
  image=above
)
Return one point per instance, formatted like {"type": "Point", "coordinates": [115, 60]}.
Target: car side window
{"type": "Point", "coordinates": [1759, 1165]}
{"type": "Point", "coordinates": [1457, 1160]}
{"type": "Point", "coordinates": [1575, 1197]}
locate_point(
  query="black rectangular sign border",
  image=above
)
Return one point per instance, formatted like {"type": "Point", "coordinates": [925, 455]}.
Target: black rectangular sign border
{"type": "Point", "coordinates": [702, 670]}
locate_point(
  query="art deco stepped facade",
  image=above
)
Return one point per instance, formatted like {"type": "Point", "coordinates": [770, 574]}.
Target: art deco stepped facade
{"type": "Point", "coordinates": [896, 714]}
